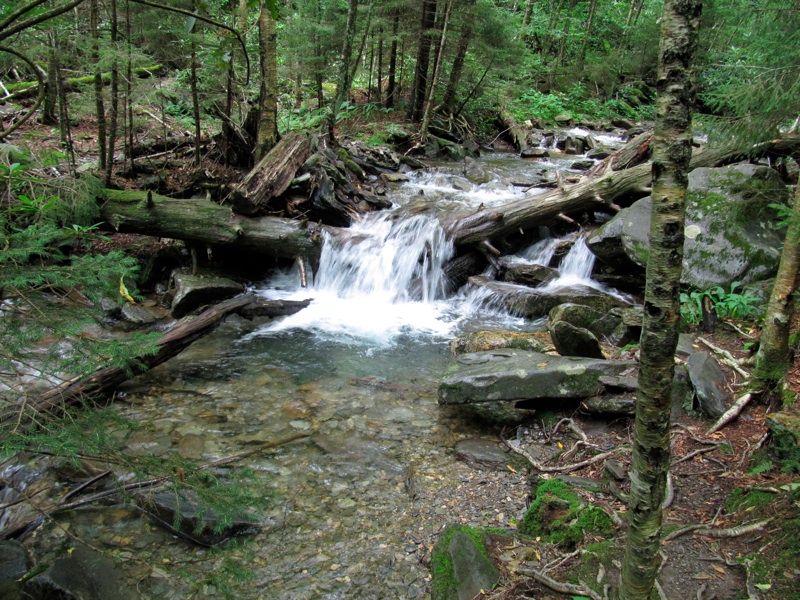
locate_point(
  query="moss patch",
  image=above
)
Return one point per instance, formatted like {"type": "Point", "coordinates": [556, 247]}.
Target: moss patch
{"type": "Point", "coordinates": [557, 515]}
{"type": "Point", "coordinates": [444, 585]}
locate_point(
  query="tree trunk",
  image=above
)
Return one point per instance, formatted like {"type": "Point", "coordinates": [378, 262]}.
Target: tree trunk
{"type": "Point", "coordinates": [51, 89]}
{"type": "Point", "coordinates": [98, 86]}
{"type": "Point", "coordinates": [390, 90]}
{"type": "Point", "coordinates": [526, 18]}
{"type": "Point", "coordinates": [426, 117]}
{"type": "Point", "coordinates": [208, 223]}
{"type": "Point", "coordinates": [173, 342]}
{"type": "Point", "coordinates": [267, 135]}
{"type": "Point", "coordinates": [457, 68]}
{"type": "Point", "coordinates": [111, 131]}
{"type": "Point", "coordinates": [423, 60]}
{"type": "Point", "coordinates": [343, 81]}
{"type": "Point", "coordinates": [585, 42]}
{"type": "Point", "coordinates": [672, 151]}
{"type": "Point", "coordinates": [772, 359]}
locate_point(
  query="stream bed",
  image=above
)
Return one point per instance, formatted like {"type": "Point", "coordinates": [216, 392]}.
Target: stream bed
{"type": "Point", "coordinates": [353, 510]}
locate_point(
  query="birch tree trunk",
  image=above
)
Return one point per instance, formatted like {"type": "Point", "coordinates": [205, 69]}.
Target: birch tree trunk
{"type": "Point", "coordinates": [672, 151]}
{"type": "Point", "coordinates": [773, 353]}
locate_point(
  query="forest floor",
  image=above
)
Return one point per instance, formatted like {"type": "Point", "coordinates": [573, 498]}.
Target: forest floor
{"type": "Point", "coordinates": [726, 481]}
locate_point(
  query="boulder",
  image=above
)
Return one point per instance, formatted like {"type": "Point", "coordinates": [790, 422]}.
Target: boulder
{"type": "Point", "coordinates": [574, 341]}
{"type": "Point", "coordinates": [599, 153]}
{"type": "Point", "coordinates": [708, 380]}
{"type": "Point", "coordinates": [729, 234]}
{"type": "Point", "coordinates": [535, 153]}
{"type": "Point", "coordinates": [582, 165]}
{"type": "Point", "coordinates": [193, 291]}
{"type": "Point", "coordinates": [499, 375]}
{"type": "Point", "coordinates": [475, 172]}
{"type": "Point", "coordinates": [461, 566]}
{"type": "Point", "coordinates": [530, 303]}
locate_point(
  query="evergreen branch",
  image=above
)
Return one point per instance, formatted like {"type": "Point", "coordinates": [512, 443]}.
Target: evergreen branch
{"type": "Point", "coordinates": [7, 31]}
{"type": "Point", "coordinates": [194, 15]}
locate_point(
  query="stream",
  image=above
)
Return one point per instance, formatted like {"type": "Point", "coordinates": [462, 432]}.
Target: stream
{"type": "Point", "coordinates": [353, 511]}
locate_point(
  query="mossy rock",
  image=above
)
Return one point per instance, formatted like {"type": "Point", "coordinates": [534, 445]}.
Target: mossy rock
{"type": "Point", "coordinates": [557, 515]}
{"type": "Point", "coordinates": [460, 564]}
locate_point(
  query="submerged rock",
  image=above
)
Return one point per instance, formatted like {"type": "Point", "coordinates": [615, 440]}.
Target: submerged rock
{"type": "Point", "coordinates": [480, 341]}
{"type": "Point", "coordinates": [82, 574]}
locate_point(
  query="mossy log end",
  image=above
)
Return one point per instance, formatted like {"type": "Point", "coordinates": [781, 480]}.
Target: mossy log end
{"type": "Point", "coordinates": [205, 222]}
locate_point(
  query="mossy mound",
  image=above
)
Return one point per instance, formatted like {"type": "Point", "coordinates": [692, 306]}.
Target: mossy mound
{"type": "Point", "coordinates": [557, 515]}
{"type": "Point", "coordinates": [460, 564]}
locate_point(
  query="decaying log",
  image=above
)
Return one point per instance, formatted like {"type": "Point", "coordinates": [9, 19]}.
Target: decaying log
{"type": "Point", "coordinates": [208, 223]}
{"type": "Point", "coordinates": [601, 192]}
{"type": "Point", "coordinates": [173, 342]}
{"type": "Point", "coordinates": [273, 174]}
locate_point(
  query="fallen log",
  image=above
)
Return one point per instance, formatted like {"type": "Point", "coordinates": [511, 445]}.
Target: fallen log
{"type": "Point", "coordinates": [273, 174]}
{"type": "Point", "coordinates": [205, 222]}
{"type": "Point", "coordinates": [172, 343]}
{"type": "Point", "coordinates": [601, 192]}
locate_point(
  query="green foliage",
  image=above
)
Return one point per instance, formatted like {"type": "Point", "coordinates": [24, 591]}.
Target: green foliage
{"type": "Point", "coordinates": [728, 305]}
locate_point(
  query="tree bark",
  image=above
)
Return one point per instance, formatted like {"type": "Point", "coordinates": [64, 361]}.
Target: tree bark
{"type": "Point", "coordinates": [343, 80]}
{"type": "Point", "coordinates": [772, 359]}
{"type": "Point", "coordinates": [173, 342]}
{"type": "Point", "coordinates": [448, 103]}
{"type": "Point", "coordinates": [672, 151]}
{"type": "Point", "coordinates": [391, 88]}
{"type": "Point", "coordinates": [423, 60]}
{"type": "Point", "coordinates": [206, 222]}
{"type": "Point", "coordinates": [267, 135]}
{"type": "Point", "coordinates": [426, 117]}
{"type": "Point", "coordinates": [272, 175]}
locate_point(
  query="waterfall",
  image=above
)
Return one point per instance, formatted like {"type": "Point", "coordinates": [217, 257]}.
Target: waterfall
{"type": "Point", "coordinates": [579, 261]}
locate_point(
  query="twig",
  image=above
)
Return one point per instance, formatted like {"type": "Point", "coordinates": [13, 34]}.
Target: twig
{"type": "Point", "coordinates": [730, 414]}
{"type": "Point", "coordinates": [718, 533]}
{"type": "Point", "coordinates": [692, 454]}
{"type": "Point", "coordinates": [573, 426]}
{"type": "Point", "coordinates": [564, 588]}
{"type": "Point", "coordinates": [726, 357]}
{"type": "Point", "coordinates": [565, 468]}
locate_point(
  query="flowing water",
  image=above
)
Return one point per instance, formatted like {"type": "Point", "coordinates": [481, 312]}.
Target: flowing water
{"type": "Point", "coordinates": [358, 368]}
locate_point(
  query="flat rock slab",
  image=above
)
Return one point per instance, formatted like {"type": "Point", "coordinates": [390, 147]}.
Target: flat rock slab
{"type": "Point", "coordinates": [193, 291]}
{"type": "Point", "coordinates": [499, 375]}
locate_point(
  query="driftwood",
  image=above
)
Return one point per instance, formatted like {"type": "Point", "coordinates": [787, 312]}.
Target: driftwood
{"type": "Point", "coordinates": [173, 342]}
{"type": "Point", "coordinates": [272, 175]}
{"type": "Point", "coordinates": [205, 222]}
{"type": "Point", "coordinates": [601, 192]}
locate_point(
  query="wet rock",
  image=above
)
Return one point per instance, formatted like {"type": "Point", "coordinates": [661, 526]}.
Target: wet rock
{"type": "Point", "coordinates": [142, 315]}
{"type": "Point", "coordinates": [480, 341]}
{"type": "Point", "coordinates": [535, 153]}
{"type": "Point", "coordinates": [574, 341]}
{"type": "Point", "coordinates": [475, 172]}
{"type": "Point", "coordinates": [527, 302]}
{"type": "Point", "coordinates": [184, 515]}
{"type": "Point", "coordinates": [708, 380]}
{"type": "Point", "coordinates": [524, 375]}
{"type": "Point", "coordinates": [564, 119]}
{"type": "Point", "coordinates": [394, 176]}
{"type": "Point", "coordinates": [570, 144]}
{"type": "Point", "coordinates": [461, 568]}
{"type": "Point", "coordinates": [461, 184]}
{"type": "Point", "coordinates": [83, 574]}
{"type": "Point", "coordinates": [193, 291]}
{"type": "Point", "coordinates": [526, 273]}
{"type": "Point", "coordinates": [599, 153]}
{"type": "Point", "coordinates": [578, 315]}
{"type": "Point", "coordinates": [14, 563]}
{"type": "Point", "coordinates": [582, 165]}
